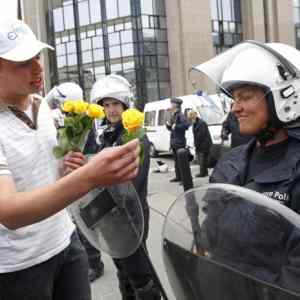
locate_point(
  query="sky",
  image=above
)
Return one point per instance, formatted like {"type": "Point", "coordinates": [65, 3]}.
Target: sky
{"type": "Point", "coordinates": [8, 8]}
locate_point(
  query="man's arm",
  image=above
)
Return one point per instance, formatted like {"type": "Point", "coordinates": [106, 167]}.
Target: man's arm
{"type": "Point", "coordinates": [182, 123]}
{"type": "Point", "coordinates": [110, 166]}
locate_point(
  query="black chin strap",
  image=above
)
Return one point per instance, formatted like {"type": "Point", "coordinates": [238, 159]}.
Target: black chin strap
{"type": "Point", "coordinates": [274, 123]}
{"type": "Point", "coordinates": [266, 134]}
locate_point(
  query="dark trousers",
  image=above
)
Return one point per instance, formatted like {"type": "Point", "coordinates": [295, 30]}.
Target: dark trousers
{"type": "Point", "coordinates": [64, 276]}
{"type": "Point", "coordinates": [202, 160]}
{"type": "Point", "coordinates": [135, 272]}
{"type": "Point", "coordinates": [177, 171]}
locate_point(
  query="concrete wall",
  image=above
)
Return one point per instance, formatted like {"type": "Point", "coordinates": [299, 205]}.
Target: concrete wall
{"type": "Point", "coordinates": [190, 40]}
{"type": "Point", "coordinates": [285, 22]}
{"type": "Point", "coordinates": [253, 20]}
{"type": "Point", "coordinates": [34, 14]}
{"type": "Point", "coordinates": [268, 20]}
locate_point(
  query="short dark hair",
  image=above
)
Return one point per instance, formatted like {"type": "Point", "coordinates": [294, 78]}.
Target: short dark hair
{"type": "Point", "coordinates": [177, 101]}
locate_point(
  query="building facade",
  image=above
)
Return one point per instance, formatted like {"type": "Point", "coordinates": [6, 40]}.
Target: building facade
{"type": "Point", "coordinates": [153, 43]}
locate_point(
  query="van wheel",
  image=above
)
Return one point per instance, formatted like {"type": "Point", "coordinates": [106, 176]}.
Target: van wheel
{"type": "Point", "coordinates": [152, 150]}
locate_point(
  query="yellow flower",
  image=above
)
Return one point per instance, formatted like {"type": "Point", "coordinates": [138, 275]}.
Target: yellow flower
{"type": "Point", "coordinates": [132, 119]}
{"type": "Point", "coordinates": [80, 106]}
{"type": "Point", "coordinates": [68, 106]}
{"type": "Point", "coordinates": [95, 111]}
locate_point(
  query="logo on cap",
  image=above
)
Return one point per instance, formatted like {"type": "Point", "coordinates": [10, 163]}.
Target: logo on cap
{"type": "Point", "coordinates": [16, 30]}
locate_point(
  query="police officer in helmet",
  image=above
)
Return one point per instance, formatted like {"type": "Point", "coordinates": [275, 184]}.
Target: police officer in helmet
{"type": "Point", "coordinates": [113, 92]}
{"type": "Point", "coordinates": [177, 125]}
{"type": "Point", "coordinates": [264, 81]}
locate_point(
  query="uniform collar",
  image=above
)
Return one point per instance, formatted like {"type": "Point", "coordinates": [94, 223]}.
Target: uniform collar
{"type": "Point", "coordinates": [284, 170]}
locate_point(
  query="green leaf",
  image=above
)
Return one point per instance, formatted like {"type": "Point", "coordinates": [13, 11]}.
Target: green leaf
{"type": "Point", "coordinates": [141, 133]}
{"type": "Point", "coordinates": [69, 122]}
{"type": "Point", "coordinates": [58, 152]}
{"type": "Point", "coordinates": [142, 153]}
{"type": "Point", "coordinates": [70, 132]}
{"type": "Point", "coordinates": [64, 140]}
{"type": "Point", "coordinates": [87, 122]}
{"type": "Point", "coordinates": [78, 128]}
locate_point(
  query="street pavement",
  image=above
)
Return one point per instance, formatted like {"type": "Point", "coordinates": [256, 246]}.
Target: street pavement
{"type": "Point", "coordinates": [161, 194]}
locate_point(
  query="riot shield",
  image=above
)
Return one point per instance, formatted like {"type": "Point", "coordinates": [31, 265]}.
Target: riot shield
{"type": "Point", "coordinates": [111, 218]}
{"type": "Point", "coordinates": [246, 246]}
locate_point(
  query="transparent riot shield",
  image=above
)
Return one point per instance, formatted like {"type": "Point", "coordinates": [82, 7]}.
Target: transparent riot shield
{"type": "Point", "coordinates": [223, 242]}
{"type": "Point", "coordinates": [111, 219]}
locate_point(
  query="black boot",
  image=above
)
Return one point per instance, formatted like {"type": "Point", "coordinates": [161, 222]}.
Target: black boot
{"type": "Point", "coordinates": [148, 292]}
{"type": "Point", "coordinates": [125, 287]}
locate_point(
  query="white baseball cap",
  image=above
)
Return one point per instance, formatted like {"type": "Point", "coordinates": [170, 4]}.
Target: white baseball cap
{"type": "Point", "coordinates": [18, 42]}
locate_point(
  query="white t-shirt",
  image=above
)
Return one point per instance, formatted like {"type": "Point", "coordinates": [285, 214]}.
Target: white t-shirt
{"type": "Point", "coordinates": [26, 155]}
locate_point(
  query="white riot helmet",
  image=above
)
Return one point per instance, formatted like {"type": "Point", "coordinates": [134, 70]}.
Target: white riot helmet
{"type": "Point", "coordinates": [273, 66]}
{"type": "Point", "coordinates": [111, 86]}
{"type": "Point", "coordinates": [64, 91]}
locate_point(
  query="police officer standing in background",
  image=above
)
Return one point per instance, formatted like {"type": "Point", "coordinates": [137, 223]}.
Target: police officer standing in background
{"type": "Point", "coordinates": [231, 126]}
{"type": "Point", "coordinates": [55, 98]}
{"type": "Point", "coordinates": [202, 141]}
{"type": "Point", "coordinates": [178, 125]}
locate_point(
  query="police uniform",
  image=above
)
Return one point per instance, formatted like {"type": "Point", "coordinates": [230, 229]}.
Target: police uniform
{"type": "Point", "coordinates": [134, 272]}
{"type": "Point", "coordinates": [279, 182]}
{"type": "Point", "coordinates": [178, 126]}
{"type": "Point", "coordinates": [202, 142]}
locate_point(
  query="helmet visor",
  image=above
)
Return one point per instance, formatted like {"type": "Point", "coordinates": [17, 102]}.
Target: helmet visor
{"type": "Point", "coordinates": [273, 67]}
{"type": "Point", "coordinates": [248, 63]}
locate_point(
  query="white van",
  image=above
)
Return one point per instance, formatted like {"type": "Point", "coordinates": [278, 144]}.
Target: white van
{"type": "Point", "coordinates": [212, 108]}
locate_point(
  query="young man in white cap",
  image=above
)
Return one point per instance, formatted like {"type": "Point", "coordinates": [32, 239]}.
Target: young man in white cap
{"type": "Point", "coordinates": [41, 256]}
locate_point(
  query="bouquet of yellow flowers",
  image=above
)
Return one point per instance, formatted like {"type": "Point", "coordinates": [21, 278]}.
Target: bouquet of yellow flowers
{"type": "Point", "coordinates": [133, 121]}
{"type": "Point", "coordinates": [78, 122]}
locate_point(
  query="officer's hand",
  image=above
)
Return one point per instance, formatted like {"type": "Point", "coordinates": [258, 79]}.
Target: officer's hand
{"type": "Point", "coordinates": [114, 165]}
{"type": "Point", "coordinates": [173, 126]}
{"type": "Point", "coordinates": [72, 161]}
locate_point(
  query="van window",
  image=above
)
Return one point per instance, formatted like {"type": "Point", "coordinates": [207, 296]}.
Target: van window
{"type": "Point", "coordinates": [163, 116]}
{"type": "Point", "coordinates": [150, 118]}
{"type": "Point", "coordinates": [210, 116]}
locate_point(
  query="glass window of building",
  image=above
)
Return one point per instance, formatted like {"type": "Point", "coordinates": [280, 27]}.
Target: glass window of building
{"type": "Point", "coordinates": [84, 14]}
{"type": "Point", "coordinates": [127, 37]}
{"type": "Point", "coordinates": [226, 23]}
{"type": "Point", "coordinates": [95, 11]}
{"type": "Point", "coordinates": [117, 8]}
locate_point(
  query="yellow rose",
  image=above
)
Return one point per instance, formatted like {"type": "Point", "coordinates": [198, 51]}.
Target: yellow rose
{"type": "Point", "coordinates": [80, 106]}
{"type": "Point", "coordinates": [95, 111]}
{"type": "Point", "coordinates": [132, 120]}
{"type": "Point", "coordinates": [68, 106]}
